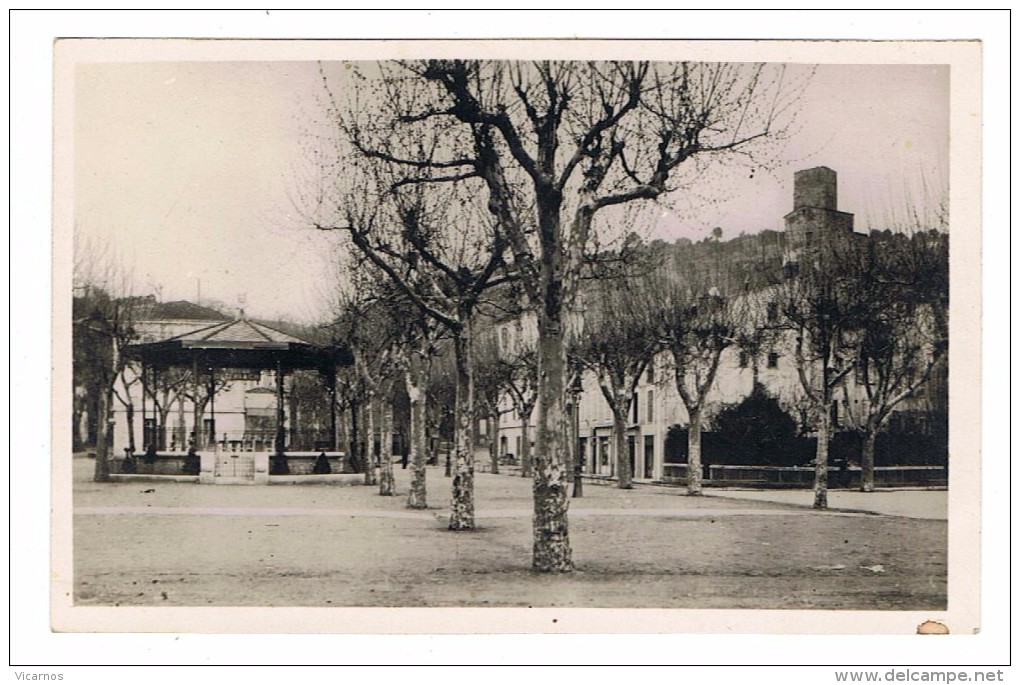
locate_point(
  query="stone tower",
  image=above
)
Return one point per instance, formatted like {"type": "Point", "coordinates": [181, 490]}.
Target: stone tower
{"type": "Point", "coordinates": [814, 218]}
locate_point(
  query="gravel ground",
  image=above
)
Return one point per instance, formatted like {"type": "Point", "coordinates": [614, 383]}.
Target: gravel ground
{"type": "Point", "coordinates": [181, 544]}
{"type": "Point", "coordinates": [919, 503]}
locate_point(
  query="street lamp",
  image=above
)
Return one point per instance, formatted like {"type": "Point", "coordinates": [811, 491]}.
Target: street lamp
{"type": "Point", "coordinates": [576, 388]}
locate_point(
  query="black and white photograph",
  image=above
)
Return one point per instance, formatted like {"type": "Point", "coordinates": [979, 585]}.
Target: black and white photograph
{"type": "Point", "coordinates": [516, 337]}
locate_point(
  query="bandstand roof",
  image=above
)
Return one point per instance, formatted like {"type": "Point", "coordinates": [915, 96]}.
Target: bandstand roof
{"type": "Point", "coordinates": [240, 343]}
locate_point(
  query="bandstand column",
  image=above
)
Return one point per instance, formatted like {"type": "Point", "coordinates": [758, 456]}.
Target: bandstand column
{"type": "Point", "coordinates": [145, 438]}
{"type": "Point", "coordinates": [159, 434]}
{"type": "Point", "coordinates": [212, 405]}
{"type": "Point", "coordinates": [194, 403]}
{"type": "Point", "coordinates": [280, 433]}
{"type": "Point", "coordinates": [278, 462]}
{"type": "Point", "coordinates": [332, 408]}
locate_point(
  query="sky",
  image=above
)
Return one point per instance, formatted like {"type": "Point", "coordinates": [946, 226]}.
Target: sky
{"type": "Point", "coordinates": [187, 171]}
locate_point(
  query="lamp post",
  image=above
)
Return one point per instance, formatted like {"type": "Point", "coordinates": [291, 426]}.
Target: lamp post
{"type": "Point", "coordinates": [575, 391]}
{"type": "Point", "coordinates": [576, 330]}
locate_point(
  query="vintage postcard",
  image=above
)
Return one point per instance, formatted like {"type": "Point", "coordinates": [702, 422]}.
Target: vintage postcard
{"type": "Point", "coordinates": [516, 336]}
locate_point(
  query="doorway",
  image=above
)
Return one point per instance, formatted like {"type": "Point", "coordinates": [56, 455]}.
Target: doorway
{"type": "Point", "coordinates": [649, 457]}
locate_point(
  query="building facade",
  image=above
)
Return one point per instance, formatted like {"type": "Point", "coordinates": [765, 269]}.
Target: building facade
{"type": "Point", "coordinates": [656, 405]}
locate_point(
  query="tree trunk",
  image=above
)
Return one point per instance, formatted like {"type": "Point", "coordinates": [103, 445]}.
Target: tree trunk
{"type": "Point", "coordinates": [343, 435]}
{"type": "Point", "coordinates": [160, 441]}
{"type": "Point", "coordinates": [370, 458]}
{"type": "Point", "coordinates": [494, 440]}
{"type": "Point", "coordinates": [77, 414]}
{"type": "Point", "coordinates": [357, 458]}
{"type": "Point", "coordinates": [102, 473]}
{"type": "Point", "coordinates": [462, 505]}
{"type": "Point", "coordinates": [694, 452]}
{"type": "Point", "coordinates": [182, 426]}
{"type": "Point", "coordinates": [387, 485]}
{"type": "Point", "coordinates": [551, 548]}
{"type": "Point", "coordinates": [822, 457]}
{"type": "Point", "coordinates": [129, 418]}
{"type": "Point", "coordinates": [527, 468]}
{"type": "Point", "coordinates": [416, 496]}
{"type": "Point", "coordinates": [868, 461]}
{"type": "Point", "coordinates": [198, 417]}
{"type": "Point", "coordinates": [624, 477]}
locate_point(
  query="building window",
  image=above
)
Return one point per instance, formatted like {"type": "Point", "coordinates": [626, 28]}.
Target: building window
{"type": "Point", "coordinates": [744, 359]}
{"type": "Point", "coordinates": [773, 311]}
{"type": "Point", "coordinates": [634, 407]}
{"type": "Point", "coordinates": [651, 372]}
{"type": "Point", "coordinates": [773, 360]}
{"type": "Point", "coordinates": [650, 408]}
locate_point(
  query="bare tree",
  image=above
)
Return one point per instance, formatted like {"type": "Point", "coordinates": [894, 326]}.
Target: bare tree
{"type": "Point", "coordinates": [105, 315]}
{"type": "Point", "coordinates": [823, 307]}
{"type": "Point", "coordinates": [904, 330]}
{"type": "Point", "coordinates": [128, 378]}
{"type": "Point", "coordinates": [423, 335]}
{"type": "Point", "coordinates": [349, 396]}
{"type": "Point", "coordinates": [164, 386]}
{"type": "Point", "coordinates": [696, 323]}
{"type": "Point", "coordinates": [441, 398]}
{"type": "Point", "coordinates": [619, 340]}
{"type": "Point", "coordinates": [555, 144]}
{"type": "Point", "coordinates": [491, 379]}
{"type": "Point", "coordinates": [370, 326]}
{"type": "Point", "coordinates": [519, 364]}
{"type": "Point", "coordinates": [200, 389]}
{"type": "Point", "coordinates": [399, 216]}
{"type": "Point", "coordinates": [387, 482]}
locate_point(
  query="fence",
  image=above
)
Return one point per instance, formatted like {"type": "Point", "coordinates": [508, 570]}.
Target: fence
{"type": "Point", "coordinates": [803, 476]}
{"type": "Point", "coordinates": [238, 465]}
{"type": "Point", "coordinates": [265, 440]}
{"type": "Point", "coordinates": [175, 464]}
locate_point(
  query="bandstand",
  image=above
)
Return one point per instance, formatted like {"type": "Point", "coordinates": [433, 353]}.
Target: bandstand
{"type": "Point", "coordinates": [231, 350]}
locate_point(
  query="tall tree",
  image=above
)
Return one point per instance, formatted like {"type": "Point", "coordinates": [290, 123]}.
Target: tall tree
{"type": "Point", "coordinates": [619, 340]}
{"type": "Point", "coordinates": [369, 324]}
{"type": "Point", "coordinates": [556, 144]}
{"type": "Point", "coordinates": [696, 323]}
{"type": "Point", "coordinates": [419, 227]}
{"type": "Point", "coordinates": [519, 365]}
{"type": "Point", "coordinates": [904, 331]}
{"type": "Point", "coordinates": [491, 381]}
{"type": "Point", "coordinates": [105, 315]}
{"type": "Point", "coordinates": [420, 347]}
{"type": "Point", "coordinates": [823, 307]}
{"type": "Point", "coordinates": [441, 398]}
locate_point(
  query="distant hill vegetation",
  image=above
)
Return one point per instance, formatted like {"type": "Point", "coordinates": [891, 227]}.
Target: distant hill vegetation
{"type": "Point", "coordinates": [745, 262]}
